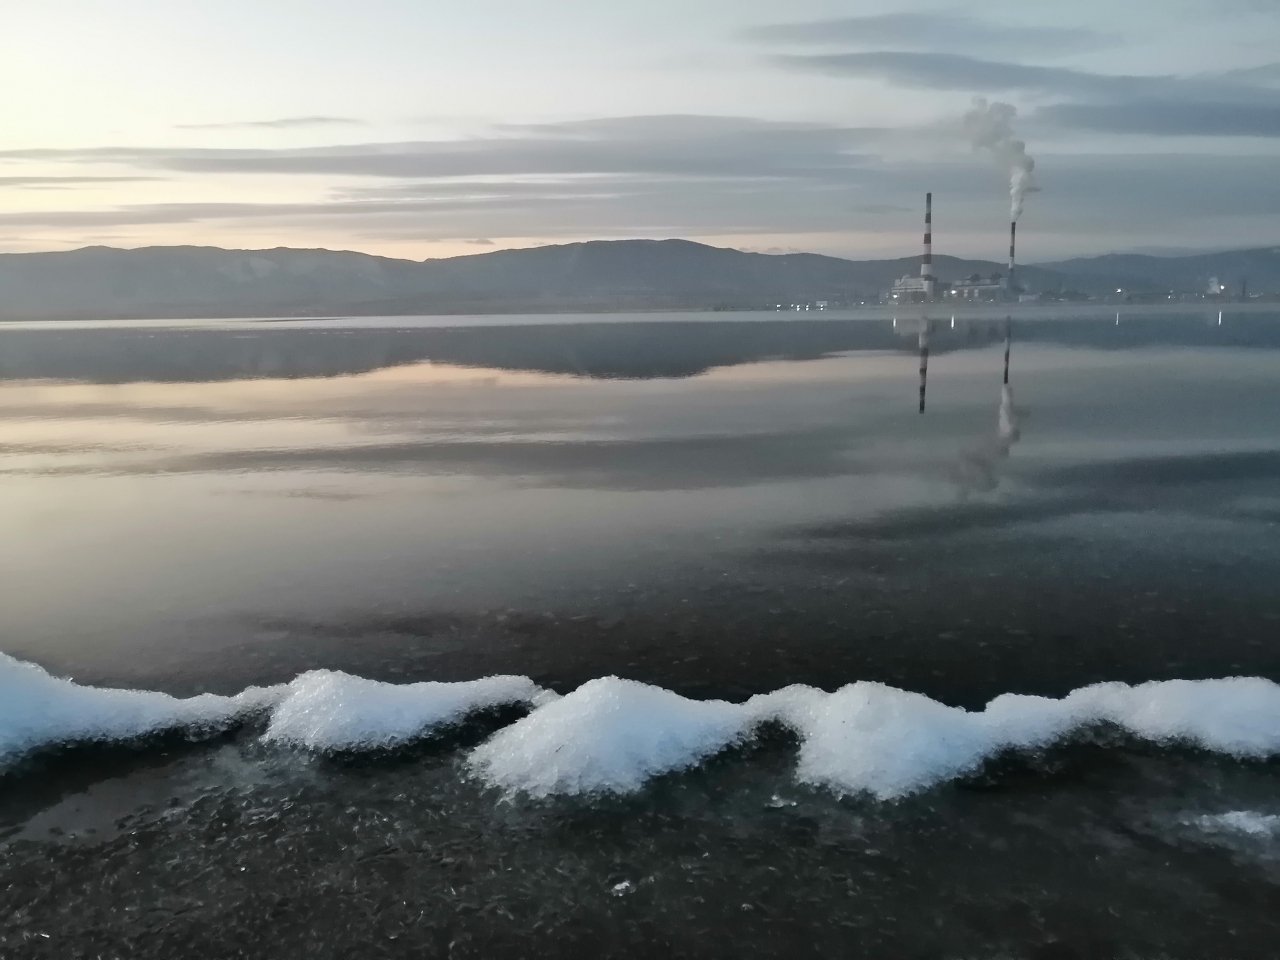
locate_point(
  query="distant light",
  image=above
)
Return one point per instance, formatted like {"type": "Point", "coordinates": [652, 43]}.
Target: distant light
{"type": "Point", "coordinates": [1119, 290]}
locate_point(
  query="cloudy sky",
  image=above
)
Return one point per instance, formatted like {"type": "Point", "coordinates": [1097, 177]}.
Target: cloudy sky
{"type": "Point", "coordinates": [426, 128]}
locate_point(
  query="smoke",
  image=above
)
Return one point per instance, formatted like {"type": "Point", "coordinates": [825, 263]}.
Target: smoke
{"type": "Point", "coordinates": [990, 128]}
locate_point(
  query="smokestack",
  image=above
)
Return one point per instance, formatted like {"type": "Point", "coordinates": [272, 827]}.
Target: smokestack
{"type": "Point", "coordinates": [926, 266]}
{"type": "Point", "coordinates": [1013, 256]}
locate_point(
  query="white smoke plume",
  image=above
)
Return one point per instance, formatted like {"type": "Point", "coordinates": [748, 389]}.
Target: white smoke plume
{"type": "Point", "coordinates": [989, 126]}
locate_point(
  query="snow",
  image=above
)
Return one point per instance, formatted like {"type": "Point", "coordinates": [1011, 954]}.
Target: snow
{"type": "Point", "coordinates": [609, 735]}
{"type": "Point", "coordinates": [329, 710]}
{"type": "Point", "coordinates": [868, 737]}
{"type": "Point", "coordinates": [38, 710]}
{"type": "Point", "coordinates": [614, 736]}
{"type": "Point", "coordinates": [1239, 716]}
{"type": "Point", "coordinates": [1248, 822]}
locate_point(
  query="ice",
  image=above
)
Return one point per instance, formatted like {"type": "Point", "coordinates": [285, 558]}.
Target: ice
{"type": "Point", "coordinates": [1020, 722]}
{"type": "Point", "coordinates": [609, 735]}
{"type": "Point", "coordinates": [870, 738]}
{"type": "Point", "coordinates": [1249, 822]}
{"type": "Point", "coordinates": [1239, 716]}
{"type": "Point", "coordinates": [330, 710]}
{"type": "Point", "coordinates": [614, 735]}
{"type": "Point", "coordinates": [40, 710]}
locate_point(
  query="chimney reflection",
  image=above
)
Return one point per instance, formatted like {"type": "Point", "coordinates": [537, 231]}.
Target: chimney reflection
{"type": "Point", "coordinates": [924, 364]}
{"type": "Point", "coordinates": [978, 467]}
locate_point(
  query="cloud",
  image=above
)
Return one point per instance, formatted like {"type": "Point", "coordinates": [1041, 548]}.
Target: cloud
{"type": "Point", "coordinates": [713, 146]}
{"type": "Point", "coordinates": [1267, 73]}
{"type": "Point", "coordinates": [1167, 118]}
{"type": "Point", "coordinates": [1234, 103]}
{"type": "Point", "coordinates": [479, 242]}
{"type": "Point", "coordinates": [691, 176]}
{"type": "Point", "coordinates": [19, 183]}
{"type": "Point", "coordinates": [919, 30]}
{"type": "Point", "coordinates": [1088, 195]}
{"type": "Point", "coordinates": [280, 123]}
{"type": "Point", "coordinates": [646, 175]}
{"type": "Point", "coordinates": [881, 208]}
{"type": "Point", "coordinates": [960, 72]}
{"type": "Point", "coordinates": [1226, 7]}
{"type": "Point", "coordinates": [963, 73]}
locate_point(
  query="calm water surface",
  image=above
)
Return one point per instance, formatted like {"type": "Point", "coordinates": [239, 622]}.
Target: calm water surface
{"type": "Point", "coordinates": [714, 506]}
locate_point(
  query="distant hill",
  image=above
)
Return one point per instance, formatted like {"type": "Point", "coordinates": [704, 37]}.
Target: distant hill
{"type": "Point", "coordinates": [104, 282]}
{"type": "Point", "coordinates": [1260, 268]}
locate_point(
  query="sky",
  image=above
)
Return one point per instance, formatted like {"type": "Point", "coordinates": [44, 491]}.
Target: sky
{"type": "Point", "coordinates": [426, 128]}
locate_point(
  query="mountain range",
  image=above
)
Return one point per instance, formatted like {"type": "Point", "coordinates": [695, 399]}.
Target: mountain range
{"type": "Point", "coordinates": [187, 281]}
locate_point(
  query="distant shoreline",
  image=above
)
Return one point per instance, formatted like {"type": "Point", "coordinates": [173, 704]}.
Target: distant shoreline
{"type": "Point", "coordinates": [934, 312]}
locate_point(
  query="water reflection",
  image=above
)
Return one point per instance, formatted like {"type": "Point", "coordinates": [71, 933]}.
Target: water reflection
{"type": "Point", "coordinates": [609, 351]}
{"type": "Point", "coordinates": [924, 364]}
{"type": "Point", "coordinates": [162, 484]}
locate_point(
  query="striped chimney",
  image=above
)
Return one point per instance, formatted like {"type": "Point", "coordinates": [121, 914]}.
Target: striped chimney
{"type": "Point", "coordinates": [926, 266]}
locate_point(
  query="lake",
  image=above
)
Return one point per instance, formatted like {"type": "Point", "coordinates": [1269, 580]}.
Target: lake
{"type": "Point", "coordinates": [740, 602]}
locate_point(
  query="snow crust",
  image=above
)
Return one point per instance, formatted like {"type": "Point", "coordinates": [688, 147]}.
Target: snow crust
{"type": "Point", "coordinates": [1248, 822]}
{"type": "Point", "coordinates": [609, 735]}
{"type": "Point", "coordinates": [330, 710]}
{"type": "Point", "coordinates": [39, 710]}
{"type": "Point", "coordinates": [613, 736]}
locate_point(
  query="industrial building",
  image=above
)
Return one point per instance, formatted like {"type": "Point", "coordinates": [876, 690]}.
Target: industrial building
{"type": "Point", "coordinates": [913, 289]}
{"type": "Point", "coordinates": [977, 287]}
{"type": "Point", "coordinates": [926, 287]}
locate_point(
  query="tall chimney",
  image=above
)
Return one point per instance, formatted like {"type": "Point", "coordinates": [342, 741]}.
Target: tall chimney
{"type": "Point", "coordinates": [1013, 257]}
{"type": "Point", "coordinates": [926, 266]}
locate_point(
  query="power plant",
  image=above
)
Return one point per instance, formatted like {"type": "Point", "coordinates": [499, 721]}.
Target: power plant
{"type": "Point", "coordinates": [927, 288]}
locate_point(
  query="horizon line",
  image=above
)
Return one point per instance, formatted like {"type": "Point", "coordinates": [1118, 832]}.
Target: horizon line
{"type": "Point", "coordinates": [547, 246]}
